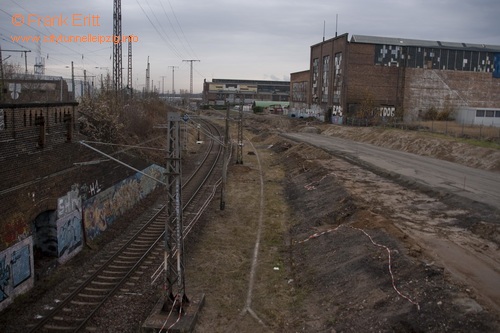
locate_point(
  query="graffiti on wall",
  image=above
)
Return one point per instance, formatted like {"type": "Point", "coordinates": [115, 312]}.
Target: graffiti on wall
{"type": "Point", "coordinates": [87, 190]}
{"type": "Point", "coordinates": [16, 271]}
{"type": "Point", "coordinates": [337, 110]}
{"type": "Point", "coordinates": [4, 277]}
{"type": "Point", "coordinates": [101, 211]}
{"type": "Point", "coordinates": [21, 267]}
{"type": "Point", "coordinates": [69, 203]}
{"type": "Point", "coordinates": [94, 188]}
{"type": "Point", "coordinates": [386, 111]}
{"type": "Point", "coordinates": [69, 236]}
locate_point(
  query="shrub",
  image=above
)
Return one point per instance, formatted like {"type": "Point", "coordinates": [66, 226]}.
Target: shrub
{"type": "Point", "coordinates": [431, 114]}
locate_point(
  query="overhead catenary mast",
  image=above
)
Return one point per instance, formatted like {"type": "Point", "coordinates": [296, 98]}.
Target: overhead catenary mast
{"type": "Point", "coordinates": [147, 76]}
{"type": "Point", "coordinates": [1, 76]}
{"type": "Point", "coordinates": [174, 284]}
{"type": "Point", "coordinates": [191, 75]}
{"type": "Point", "coordinates": [39, 60]}
{"type": "Point", "coordinates": [129, 67]}
{"type": "Point", "coordinates": [117, 47]}
{"type": "Point", "coordinates": [173, 86]}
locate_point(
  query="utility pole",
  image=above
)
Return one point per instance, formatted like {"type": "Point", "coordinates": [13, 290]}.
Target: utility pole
{"type": "Point", "coordinates": [173, 87]}
{"type": "Point", "coordinates": [26, 62]}
{"type": "Point", "coordinates": [2, 83]}
{"type": "Point", "coordinates": [129, 67]}
{"type": "Point", "coordinates": [25, 58]}
{"type": "Point", "coordinates": [239, 151]}
{"type": "Point", "coordinates": [175, 298]}
{"type": "Point", "coordinates": [147, 77]}
{"type": "Point", "coordinates": [191, 75]}
{"type": "Point", "coordinates": [85, 88]}
{"type": "Point", "coordinates": [224, 162]}
{"type": "Point", "coordinates": [73, 80]}
{"type": "Point", "coordinates": [39, 68]}
{"type": "Point", "coordinates": [163, 84]}
{"type": "Point", "coordinates": [117, 47]}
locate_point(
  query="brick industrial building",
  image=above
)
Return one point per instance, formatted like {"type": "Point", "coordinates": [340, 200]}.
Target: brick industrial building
{"type": "Point", "coordinates": [399, 78]}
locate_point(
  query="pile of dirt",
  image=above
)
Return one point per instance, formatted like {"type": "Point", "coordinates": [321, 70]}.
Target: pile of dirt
{"type": "Point", "coordinates": [358, 271]}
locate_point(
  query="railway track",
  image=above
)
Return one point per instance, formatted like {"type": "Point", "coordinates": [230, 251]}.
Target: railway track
{"type": "Point", "coordinates": [92, 291]}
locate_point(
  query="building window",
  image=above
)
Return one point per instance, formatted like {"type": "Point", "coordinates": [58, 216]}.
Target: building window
{"type": "Point", "coordinates": [337, 78]}
{"type": "Point", "coordinates": [388, 55]}
{"type": "Point", "coordinates": [315, 73]}
{"type": "Point", "coordinates": [479, 113]}
{"type": "Point", "coordinates": [490, 113]}
{"type": "Point", "coordinates": [299, 91]}
{"type": "Point", "coordinates": [325, 87]}
{"type": "Point", "coordinates": [497, 114]}
{"type": "Point", "coordinates": [434, 58]}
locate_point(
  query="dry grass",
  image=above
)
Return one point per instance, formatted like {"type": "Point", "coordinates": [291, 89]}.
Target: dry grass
{"type": "Point", "coordinates": [452, 128]}
{"type": "Point", "coordinates": [220, 263]}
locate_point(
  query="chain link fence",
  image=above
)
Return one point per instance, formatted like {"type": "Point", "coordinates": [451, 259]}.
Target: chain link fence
{"type": "Point", "coordinates": [447, 127]}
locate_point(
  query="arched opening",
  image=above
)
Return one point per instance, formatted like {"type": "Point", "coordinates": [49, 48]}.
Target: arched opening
{"type": "Point", "coordinates": [44, 241]}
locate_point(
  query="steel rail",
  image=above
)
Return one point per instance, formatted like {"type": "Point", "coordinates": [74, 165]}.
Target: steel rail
{"type": "Point", "coordinates": [41, 325]}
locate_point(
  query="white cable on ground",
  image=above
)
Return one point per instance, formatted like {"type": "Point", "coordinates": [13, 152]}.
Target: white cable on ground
{"type": "Point", "coordinates": [259, 233]}
{"type": "Point", "coordinates": [311, 187]}
{"type": "Point", "coordinates": [318, 234]}
{"type": "Point", "coordinates": [168, 316]}
{"type": "Point", "coordinates": [248, 303]}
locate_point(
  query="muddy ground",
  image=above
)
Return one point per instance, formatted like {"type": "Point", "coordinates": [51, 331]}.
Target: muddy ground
{"type": "Point", "coordinates": [344, 250]}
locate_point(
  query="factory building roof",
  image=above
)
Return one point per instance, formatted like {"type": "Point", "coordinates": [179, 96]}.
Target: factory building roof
{"type": "Point", "coordinates": [423, 43]}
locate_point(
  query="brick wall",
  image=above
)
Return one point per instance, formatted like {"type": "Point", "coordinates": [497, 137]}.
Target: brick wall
{"type": "Point", "coordinates": [364, 79]}
{"type": "Point", "coordinates": [328, 48]}
{"type": "Point", "coordinates": [44, 179]}
{"type": "Point", "coordinates": [299, 87]}
{"type": "Point", "coordinates": [426, 88]}
{"type": "Point", "coordinates": [29, 88]}
{"type": "Point", "coordinates": [34, 173]}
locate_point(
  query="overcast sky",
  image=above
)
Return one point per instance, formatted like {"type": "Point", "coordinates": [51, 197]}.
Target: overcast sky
{"type": "Point", "coordinates": [232, 39]}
